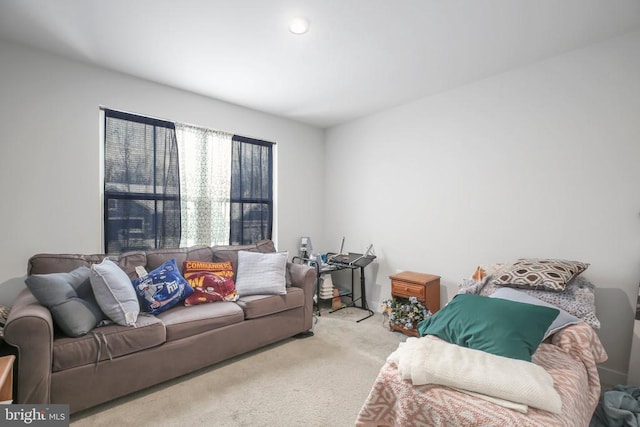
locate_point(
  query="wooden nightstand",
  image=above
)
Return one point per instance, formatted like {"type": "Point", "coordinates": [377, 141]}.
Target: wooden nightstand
{"type": "Point", "coordinates": [425, 287]}
{"type": "Point", "coordinates": [6, 378]}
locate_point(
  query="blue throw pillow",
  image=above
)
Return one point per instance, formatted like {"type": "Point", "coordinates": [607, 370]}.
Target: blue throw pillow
{"type": "Point", "coordinates": [161, 288]}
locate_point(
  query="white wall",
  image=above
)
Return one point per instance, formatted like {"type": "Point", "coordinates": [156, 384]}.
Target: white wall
{"type": "Point", "coordinates": [543, 161]}
{"type": "Point", "coordinates": [50, 155]}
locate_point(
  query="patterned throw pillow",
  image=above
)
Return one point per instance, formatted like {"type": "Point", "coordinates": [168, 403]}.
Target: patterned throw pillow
{"type": "Point", "coordinates": [578, 299]}
{"type": "Point", "coordinates": [211, 282]}
{"type": "Point", "coordinates": [161, 288]}
{"type": "Point", "coordinates": [540, 274]}
{"type": "Point", "coordinates": [563, 319]}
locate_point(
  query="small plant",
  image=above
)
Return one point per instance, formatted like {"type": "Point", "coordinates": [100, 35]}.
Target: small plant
{"type": "Point", "coordinates": [406, 313]}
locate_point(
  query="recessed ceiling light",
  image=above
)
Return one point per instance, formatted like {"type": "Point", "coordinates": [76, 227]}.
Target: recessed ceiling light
{"type": "Point", "coordinates": [299, 25]}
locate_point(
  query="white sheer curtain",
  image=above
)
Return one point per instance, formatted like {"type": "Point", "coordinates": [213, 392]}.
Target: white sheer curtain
{"type": "Point", "coordinates": [205, 185]}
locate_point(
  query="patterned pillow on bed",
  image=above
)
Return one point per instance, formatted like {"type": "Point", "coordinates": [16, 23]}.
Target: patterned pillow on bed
{"type": "Point", "coordinates": [540, 273]}
{"type": "Point", "coordinates": [563, 319]}
{"type": "Point", "coordinates": [578, 297]}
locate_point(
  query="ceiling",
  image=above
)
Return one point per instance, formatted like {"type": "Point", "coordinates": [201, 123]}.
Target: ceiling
{"type": "Point", "coordinates": [358, 57]}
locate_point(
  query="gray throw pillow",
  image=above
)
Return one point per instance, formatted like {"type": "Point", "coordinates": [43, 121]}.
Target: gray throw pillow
{"type": "Point", "coordinates": [70, 299]}
{"type": "Point", "coordinates": [114, 292]}
{"type": "Point", "coordinates": [261, 273]}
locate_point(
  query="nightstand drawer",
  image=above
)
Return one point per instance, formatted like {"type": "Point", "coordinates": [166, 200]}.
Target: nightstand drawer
{"type": "Point", "coordinates": [425, 287]}
{"type": "Point", "coordinates": [404, 289]}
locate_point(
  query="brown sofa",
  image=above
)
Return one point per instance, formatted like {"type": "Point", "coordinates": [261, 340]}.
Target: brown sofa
{"type": "Point", "coordinates": [117, 360]}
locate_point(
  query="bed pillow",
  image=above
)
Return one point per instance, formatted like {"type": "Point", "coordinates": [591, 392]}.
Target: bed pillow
{"type": "Point", "coordinates": [261, 273]}
{"type": "Point", "coordinates": [501, 327]}
{"type": "Point", "coordinates": [578, 299]}
{"type": "Point", "coordinates": [161, 288]}
{"type": "Point", "coordinates": [540, 273]}
{"type": "Point", "coordinates": [114, 293]}
{"type": "Point", "coordinates": [211, 282]}
{"type": "Point", "coordinates": [69, 298]}
{"type": "Point", "coordinates": [563, 319]}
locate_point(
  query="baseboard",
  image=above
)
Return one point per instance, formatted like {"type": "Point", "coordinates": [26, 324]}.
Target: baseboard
{"type": "Point", "coordinates": [610, 377]}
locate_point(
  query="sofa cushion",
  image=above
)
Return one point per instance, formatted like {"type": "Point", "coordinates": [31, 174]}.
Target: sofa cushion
{"type": "Point", "coordinates": [69, 298]}
{"type": "Point", "coordinates": [161, 288]}
{"type": "Point", "coordinates": [60, 263]}
{"type": "Point", "coordinates": [255, 306]}
{"type": "Point", "coordinates": [156, 257]}
{"type": "Point", "coordinates": [107, 341]}
{"type": "Point", "coordinates": [183, 322]}
{"type": "Point", "coordinates": [64, 263]}
{"type": "Point", "coordinates": [114, 293]}
{"type": "Point", "coordinates": [230, 252]}
{"type": "Point", "coordinates": [128, 262]}
{"type": "Point", "coordinates": [261, 273]}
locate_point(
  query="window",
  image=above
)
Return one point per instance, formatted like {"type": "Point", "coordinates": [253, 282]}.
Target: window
{"type": "Point", "coordinates": [251, 190]}
{"type": "Point", "coordinates": [169, 185]}
{"type": "Point", "coordinates": [141, 183]}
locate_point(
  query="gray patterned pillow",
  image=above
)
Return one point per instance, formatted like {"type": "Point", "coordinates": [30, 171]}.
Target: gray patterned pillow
{"type": "Point", "coordinates": [562, 319]}
{"type": "Point", "coordinates": [578, 297]}
{"type": "Point", "coordinates": [540, 274]}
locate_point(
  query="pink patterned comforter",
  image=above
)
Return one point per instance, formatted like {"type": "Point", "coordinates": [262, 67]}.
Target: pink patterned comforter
{"type": "Point", "coordinates": [570, 359]}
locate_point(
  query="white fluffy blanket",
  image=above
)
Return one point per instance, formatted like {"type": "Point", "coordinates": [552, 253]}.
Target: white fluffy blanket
{"type": "Point", "coordinates": [430, 360]}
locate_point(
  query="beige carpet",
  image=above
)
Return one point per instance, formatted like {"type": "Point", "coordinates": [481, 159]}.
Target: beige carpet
{"type": "Point", "coordinates": [317, 381]}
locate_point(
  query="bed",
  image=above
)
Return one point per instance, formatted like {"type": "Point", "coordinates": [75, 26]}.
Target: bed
{"type": "Point", "coordinates": [568, 354]}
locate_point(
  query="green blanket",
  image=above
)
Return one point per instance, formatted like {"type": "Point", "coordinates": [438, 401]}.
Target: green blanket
{"type": "Point", "coordinates": [618, 407]}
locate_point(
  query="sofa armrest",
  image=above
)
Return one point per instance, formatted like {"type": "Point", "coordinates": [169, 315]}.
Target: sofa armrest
{"type": "Point", "coordinates": [29, 328]}
{"type": "Point", "coordinates": [303, 276]}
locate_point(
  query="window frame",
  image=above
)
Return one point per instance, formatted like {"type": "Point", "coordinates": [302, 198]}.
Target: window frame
{"type": "Point", "coordinates": [115, 196]}
{"type": "Point", "coordinates": [268, 201]}
{"type": "Point", "coordinates": [267, 231]}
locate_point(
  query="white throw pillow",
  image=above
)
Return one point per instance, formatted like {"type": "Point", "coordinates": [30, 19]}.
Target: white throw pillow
{"type": "Point", "coordinates": [114, 293]}
{"type": "Point", "coordinates": [261, 273]}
